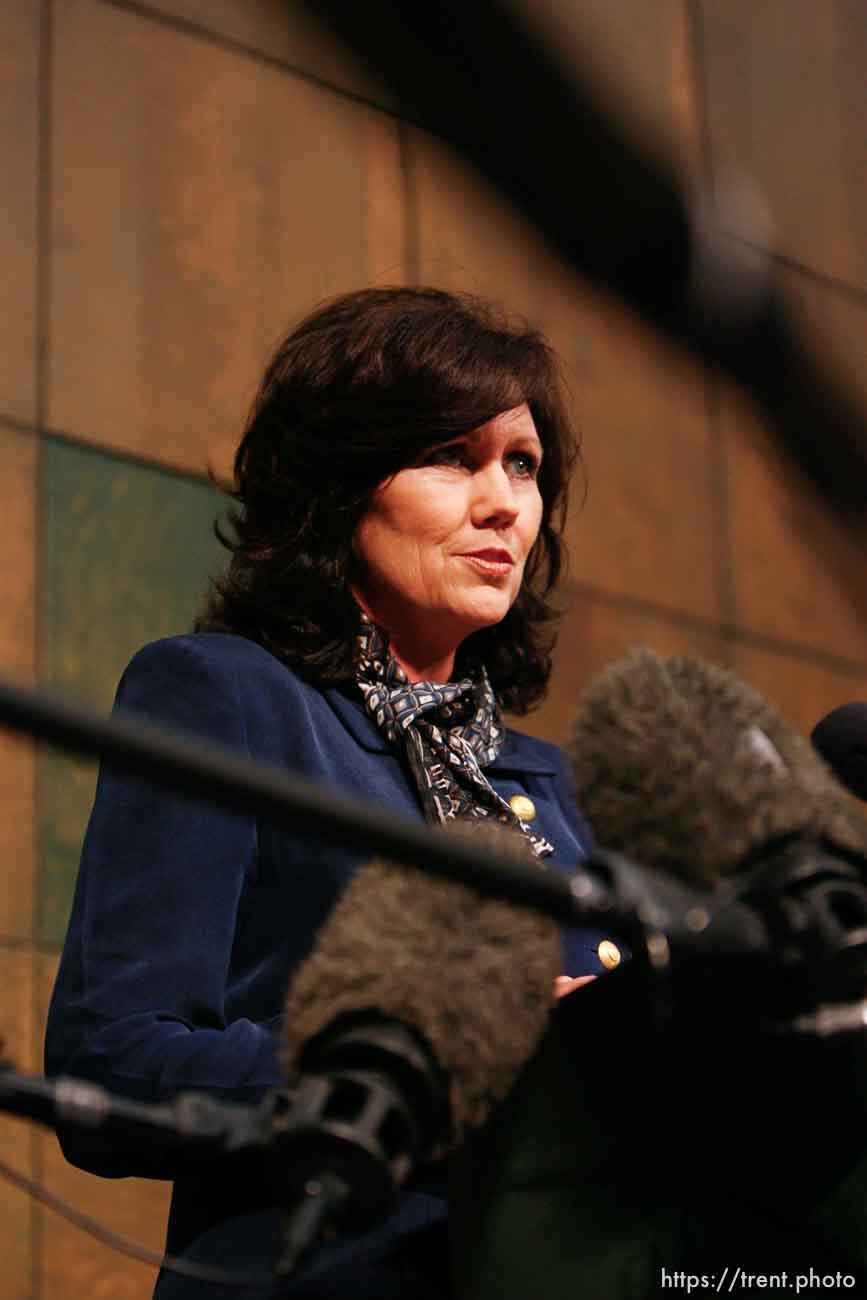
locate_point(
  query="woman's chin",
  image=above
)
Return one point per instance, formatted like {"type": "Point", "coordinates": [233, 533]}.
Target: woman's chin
{"type": "Point", "coordinates": [481, 613]}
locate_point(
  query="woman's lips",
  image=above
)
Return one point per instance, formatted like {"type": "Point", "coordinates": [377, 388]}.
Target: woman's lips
{"type": "Point", "coordinates": [493, 562]}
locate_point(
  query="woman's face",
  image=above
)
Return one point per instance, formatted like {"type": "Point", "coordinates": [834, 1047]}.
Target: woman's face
{"type": "Point", "coordinates": [442, 547]}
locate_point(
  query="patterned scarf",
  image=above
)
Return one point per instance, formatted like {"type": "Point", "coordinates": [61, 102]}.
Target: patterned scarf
{"type": "Point", "coordinates": [449, 732]}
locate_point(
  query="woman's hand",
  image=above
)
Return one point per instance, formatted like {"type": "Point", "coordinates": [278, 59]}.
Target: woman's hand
{"type": "Point", "coordinates": [564, 984]}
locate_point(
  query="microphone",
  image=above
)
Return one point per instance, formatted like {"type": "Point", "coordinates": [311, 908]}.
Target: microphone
{"type": "Point", "coordinates": [733, 1128]}
{"type": "Point", "coordinates": [841, 739]}
{"type": "Point", "coordinates": [694, 774]}
{"type": "Point", "coordinates": [411, 1018]}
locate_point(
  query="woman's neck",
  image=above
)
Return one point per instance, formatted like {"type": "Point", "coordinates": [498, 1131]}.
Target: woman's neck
{"type": "Point", "coordinates": [423, 667]}
{"type": "Point", "coordinates": [418, 656]}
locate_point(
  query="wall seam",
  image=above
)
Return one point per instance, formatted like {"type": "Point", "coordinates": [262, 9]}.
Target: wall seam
{"type": "Point", "coordinates": [43, 358]}
{"type": "Point", "coordinates": [122, 454]}
{"type": "Point", "coordinates": [409, 198]}
{"type": "Point", "coordinates": [842, 288]}
{"type": "Point", "coordinates": [733, 633]}
{"type": "Point", "coordinates": [189, 27]}
{"type": "Point", "coordinates": [724, 562]}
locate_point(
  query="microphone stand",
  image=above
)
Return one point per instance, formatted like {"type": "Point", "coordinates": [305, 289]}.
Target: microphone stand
{"type": "Point", "coordinates": [606, 889]}
{"type": "Point", "coordinates": [653, 912]}
{"type": "Point", "coordinates": [215, 772]}
{"type": "Point", "coordinates": [368, 1105]}
{"type": "Point", "coordinates": [193, 1120]}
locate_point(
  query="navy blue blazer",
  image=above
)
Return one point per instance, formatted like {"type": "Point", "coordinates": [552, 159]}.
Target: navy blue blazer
{"type": "Point", "coordinates": [188, 921]}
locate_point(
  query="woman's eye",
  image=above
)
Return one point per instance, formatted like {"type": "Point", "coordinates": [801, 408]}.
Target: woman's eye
{"type": "Point", "coordinates": [453, 455]}
{"type": "Point", "coordinates": [524, 464]}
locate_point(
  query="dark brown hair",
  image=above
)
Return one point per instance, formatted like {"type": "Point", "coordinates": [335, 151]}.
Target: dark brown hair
{"type": "Point", "coordinates": [359, 390]}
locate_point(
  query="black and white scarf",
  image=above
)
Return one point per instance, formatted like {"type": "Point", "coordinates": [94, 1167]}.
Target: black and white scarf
{"type": "Point", "coordinates": [449, 732]}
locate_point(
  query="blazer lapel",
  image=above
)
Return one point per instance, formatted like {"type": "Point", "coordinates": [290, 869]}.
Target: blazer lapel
{"type": "Point", "coordinates": [362, 728]}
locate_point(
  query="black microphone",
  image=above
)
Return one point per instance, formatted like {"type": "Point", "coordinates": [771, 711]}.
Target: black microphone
{"type": "Point", "coordinates": [411, 1018]}
{"type": "Point", "coordinates": [692, 773]}
{"type": "Point", "coordinates": [841, 739]}
{"type": "Point", "coordinates": [677, 262]}
{"type": "Point", "coordinates": [734, 1128]}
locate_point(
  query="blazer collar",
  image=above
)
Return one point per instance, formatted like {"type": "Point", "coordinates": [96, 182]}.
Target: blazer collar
{"type": "Point", "coordinates": [349, 707]}
{"type": "Point", "coordinates": [518, 754]}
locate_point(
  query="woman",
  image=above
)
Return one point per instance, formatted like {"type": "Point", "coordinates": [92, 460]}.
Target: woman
{"type": "Point", "coordinates": [401, 487]}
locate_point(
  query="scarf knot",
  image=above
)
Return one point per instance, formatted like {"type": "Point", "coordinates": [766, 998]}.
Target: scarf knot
{"type": "Point", "coordinates": [449, 732]}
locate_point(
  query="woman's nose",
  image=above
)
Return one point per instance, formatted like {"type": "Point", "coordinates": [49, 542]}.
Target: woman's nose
{"type": "Point", "coordinates": [495, 502]}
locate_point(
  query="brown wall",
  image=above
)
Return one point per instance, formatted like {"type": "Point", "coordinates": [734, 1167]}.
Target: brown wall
{"type": "Point", "coordinates": [181, 178]}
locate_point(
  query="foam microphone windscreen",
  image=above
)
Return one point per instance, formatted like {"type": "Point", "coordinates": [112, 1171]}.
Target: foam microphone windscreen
{"type": "Point", "coordinates": [472, 975]}
{"type": "Point", "coordinates": [685, 767]}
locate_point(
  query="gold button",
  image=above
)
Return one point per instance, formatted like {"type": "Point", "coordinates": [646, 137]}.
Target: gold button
{"type": "Point", "coordinates": [522, 807]}
{"type": "Point", "coordinates": [609, 954]}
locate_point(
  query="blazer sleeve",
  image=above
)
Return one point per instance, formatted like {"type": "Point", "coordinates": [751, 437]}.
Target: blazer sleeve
{"type": "Point", "coordinates": [139, 1002]}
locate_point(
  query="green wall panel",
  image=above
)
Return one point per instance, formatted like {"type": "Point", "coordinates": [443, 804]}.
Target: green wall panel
{"type": "Point", "coordinates": [126, 551]}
